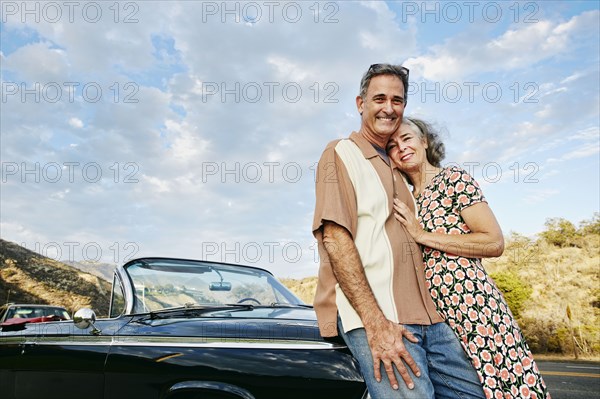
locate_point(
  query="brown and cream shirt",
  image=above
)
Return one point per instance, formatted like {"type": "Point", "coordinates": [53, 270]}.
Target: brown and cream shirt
{"type": "Point", "coordinates": [355, 189]}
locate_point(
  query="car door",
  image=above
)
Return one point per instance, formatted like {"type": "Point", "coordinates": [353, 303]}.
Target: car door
{"type": "Point", "coordinates": [11, 346]}
{"type": "Point", "coordinates": [58, 360]}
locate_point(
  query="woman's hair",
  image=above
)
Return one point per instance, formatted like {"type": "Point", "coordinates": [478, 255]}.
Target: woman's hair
{"type": "Point", "coordinates": [436, 151]}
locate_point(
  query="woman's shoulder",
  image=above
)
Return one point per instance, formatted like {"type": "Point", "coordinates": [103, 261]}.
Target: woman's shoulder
{"type": "Point", "coordinates": [455, 174]}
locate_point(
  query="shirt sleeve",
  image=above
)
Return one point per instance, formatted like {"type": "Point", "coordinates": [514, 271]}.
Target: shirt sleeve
{"type": "Point", "coordinates": [335, 197]}
{"type": "Point", "coordinates": [466, 189]}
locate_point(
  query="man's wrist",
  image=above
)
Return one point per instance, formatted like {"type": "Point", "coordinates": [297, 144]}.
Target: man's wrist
{"type": "Point", "coordinates": [374, 320]}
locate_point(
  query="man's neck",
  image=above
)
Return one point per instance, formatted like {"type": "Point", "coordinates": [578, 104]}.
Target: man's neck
{"type": "Point", "coordinates": [379, 141]}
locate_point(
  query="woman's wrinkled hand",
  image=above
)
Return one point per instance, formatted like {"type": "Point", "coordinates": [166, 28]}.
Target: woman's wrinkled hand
{"type": "Point", "coordinates": [404, 215]}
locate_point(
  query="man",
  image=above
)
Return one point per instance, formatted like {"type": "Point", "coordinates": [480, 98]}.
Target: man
{"type": "Point", "coordinates": [371, 285]}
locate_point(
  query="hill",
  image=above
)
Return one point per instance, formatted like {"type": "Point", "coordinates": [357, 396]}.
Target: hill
{"type": "Point", "coordinates": [103, 270]}
{"type": "Point", "coordinates": [28, 277]}
{"type": "Point", "coordinates": [555, 290]}
{"type": "Point", "coordinates": [304, 289]}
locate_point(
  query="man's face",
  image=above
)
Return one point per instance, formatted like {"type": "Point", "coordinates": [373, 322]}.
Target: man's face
{"type": "Point", "coordinates": [383, 105]}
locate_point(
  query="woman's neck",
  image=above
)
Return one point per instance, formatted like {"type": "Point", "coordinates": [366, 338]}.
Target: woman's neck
{"type": "Point", "coordinates": [420, 177]}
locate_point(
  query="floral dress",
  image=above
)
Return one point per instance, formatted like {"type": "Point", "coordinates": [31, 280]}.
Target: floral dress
{"type": "Point", "coordinates": [468, 298]}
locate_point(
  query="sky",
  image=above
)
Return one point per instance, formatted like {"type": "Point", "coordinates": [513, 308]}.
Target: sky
{"type": "Point", "coordinates": [192, 129]}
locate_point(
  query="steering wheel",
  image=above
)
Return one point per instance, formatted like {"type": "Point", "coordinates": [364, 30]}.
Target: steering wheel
{"type": "Point", "coordinates": [249, 299]}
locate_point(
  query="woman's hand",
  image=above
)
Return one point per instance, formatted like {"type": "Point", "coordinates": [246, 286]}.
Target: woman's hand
{"type": "Point", "coordinates": [408, 220]}
{"type": "Point", "coordinates": [483, 241]}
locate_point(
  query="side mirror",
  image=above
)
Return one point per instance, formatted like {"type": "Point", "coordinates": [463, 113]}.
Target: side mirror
{"type": "Point", "coordinates": [84, 318]}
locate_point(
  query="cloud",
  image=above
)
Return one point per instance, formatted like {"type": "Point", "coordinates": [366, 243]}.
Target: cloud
{"type": "Point", "coordinates": [185, 142]}
{"type": "Point", "coordinates": [40, 63]}
{"type": "Point", "coordinates": [540, 196]}
{"type": "Point", "coordinates": [207, 130]}
{"type": "Point", "coordinates": [521, 47]}
{"type": "Point", "coordinates": [160, 186]}
{"type": "Point", "coordinates": [580, 152]}
{"type": "Point", "coordinates": [75, 122]}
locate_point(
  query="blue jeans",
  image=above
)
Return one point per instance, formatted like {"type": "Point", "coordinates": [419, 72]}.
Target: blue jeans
{"type": "Point", "coordinates": [446, 372]}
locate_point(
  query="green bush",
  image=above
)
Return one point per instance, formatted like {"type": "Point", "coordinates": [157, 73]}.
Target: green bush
{"type": "Point", "coordinates": [515, 291]}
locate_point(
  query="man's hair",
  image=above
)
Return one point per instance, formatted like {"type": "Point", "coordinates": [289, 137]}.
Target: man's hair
{"type": "Point", "coordinates": [384, 69]}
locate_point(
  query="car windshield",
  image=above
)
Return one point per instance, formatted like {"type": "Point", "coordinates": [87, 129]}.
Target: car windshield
{"type": "Point", "coordinates": [165, 284]}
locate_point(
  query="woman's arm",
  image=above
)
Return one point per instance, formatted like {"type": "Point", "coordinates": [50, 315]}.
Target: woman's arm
{"type": "Point", "coordinates": [485, 239]}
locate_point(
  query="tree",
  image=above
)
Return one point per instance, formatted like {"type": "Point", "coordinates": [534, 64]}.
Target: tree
{"type": "Point", "coordinates": [560, 232]}
{"type": "Point", "coordinates": [590, 226]}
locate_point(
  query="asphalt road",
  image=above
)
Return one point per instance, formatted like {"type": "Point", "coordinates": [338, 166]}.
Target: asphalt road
{"type": "Point", "coordinates": [571, 380]}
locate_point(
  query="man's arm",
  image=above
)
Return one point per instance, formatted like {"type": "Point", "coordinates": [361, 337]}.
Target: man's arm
{"type": "Point", "coordinates": [384, 337]}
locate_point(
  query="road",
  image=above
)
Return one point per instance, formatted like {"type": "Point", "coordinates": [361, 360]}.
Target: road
{"type": "Point", "coordinates": [571, 380]}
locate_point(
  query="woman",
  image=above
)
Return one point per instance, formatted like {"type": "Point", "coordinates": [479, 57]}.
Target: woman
{"type": "Point", "coordinates": [456, 228]}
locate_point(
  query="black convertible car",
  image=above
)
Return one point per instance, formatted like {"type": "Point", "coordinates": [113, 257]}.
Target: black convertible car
{"type": "Point", "coordinates": [181, 329]}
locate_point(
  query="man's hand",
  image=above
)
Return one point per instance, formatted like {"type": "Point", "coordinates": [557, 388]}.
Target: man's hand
{"type": "Point", "coordinates": [385, 338]}
{"type": "Point", "coordinates": [387, 346]}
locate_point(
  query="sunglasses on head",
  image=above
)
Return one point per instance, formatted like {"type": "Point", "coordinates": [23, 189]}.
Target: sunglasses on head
{"type": "Point", "coordinates": [375, 67]}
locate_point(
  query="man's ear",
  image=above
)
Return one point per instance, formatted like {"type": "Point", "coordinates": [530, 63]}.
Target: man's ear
{"type": "Point", "coordinates": [359, 104]}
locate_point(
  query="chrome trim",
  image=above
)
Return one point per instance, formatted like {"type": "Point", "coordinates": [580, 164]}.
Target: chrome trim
{"type": "Point", "coordinates": [186, 342]}
{"type": "Point", "coordinates": [116, 280]}
{"type": "Point", "coordinates": [229, 343]}
{"type": "Point", "coordinates": [17, 339]}
{"type": "Point", "coordinates": [127, 290]}
{"type": "Point", "coordinates": [78, 340]}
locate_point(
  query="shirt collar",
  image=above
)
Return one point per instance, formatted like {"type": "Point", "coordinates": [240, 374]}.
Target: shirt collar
{"type": "Point", "coordinates": [366, 147]}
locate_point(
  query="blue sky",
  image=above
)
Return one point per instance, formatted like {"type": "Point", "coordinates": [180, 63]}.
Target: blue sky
{"type": "Point", "coordinates": [192, 129]}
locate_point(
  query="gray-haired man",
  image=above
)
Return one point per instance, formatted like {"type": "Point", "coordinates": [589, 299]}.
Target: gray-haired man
{"type": "Point", "coordinates": [371, 282]}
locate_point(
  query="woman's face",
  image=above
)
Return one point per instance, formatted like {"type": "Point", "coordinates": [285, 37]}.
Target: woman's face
{"type": "Point", "coordinates": [407, 149]}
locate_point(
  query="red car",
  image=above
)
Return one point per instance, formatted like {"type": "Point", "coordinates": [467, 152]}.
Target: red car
{"type": "Point", "coordinates": [12, 315]}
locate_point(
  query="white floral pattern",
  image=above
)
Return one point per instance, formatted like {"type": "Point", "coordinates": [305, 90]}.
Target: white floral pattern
{"type": "Point", "coordinates": [468, 298]}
